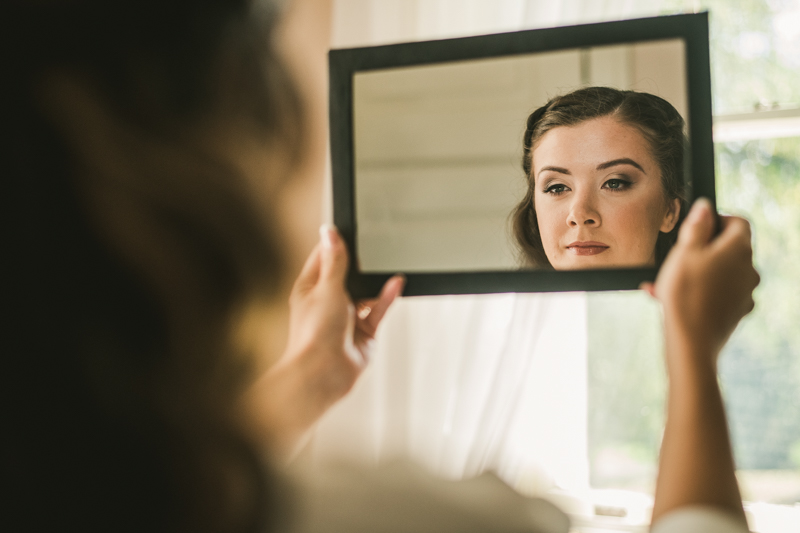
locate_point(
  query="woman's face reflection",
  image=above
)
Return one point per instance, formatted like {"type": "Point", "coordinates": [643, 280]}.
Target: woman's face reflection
{"type": "Point", "coordinates": [598, 196]}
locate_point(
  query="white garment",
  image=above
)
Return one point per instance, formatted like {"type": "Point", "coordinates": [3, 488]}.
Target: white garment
{"type": "Point", "coordinates": [403, 498]}
{"type": "Point", "coordinates": [698, 520]}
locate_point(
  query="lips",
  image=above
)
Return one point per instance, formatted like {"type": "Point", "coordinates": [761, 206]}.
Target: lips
{"type": "Point", "coordinates": [587, 247]}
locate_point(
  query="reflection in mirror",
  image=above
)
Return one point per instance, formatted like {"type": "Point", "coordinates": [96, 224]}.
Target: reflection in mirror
{"type": "Point", "coordinates": [440, 150]}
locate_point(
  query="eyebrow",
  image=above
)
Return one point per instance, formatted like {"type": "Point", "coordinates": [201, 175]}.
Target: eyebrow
{"type": "Point", "coordinates": [560, 170]}
{"type": "Point", "coordinates": [623, 161]}
{"type": "Point", "coordinates": [601, 166]}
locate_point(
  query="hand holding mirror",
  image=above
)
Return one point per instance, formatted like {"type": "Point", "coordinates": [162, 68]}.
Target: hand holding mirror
{"type": "Point", "coordinates": [542, 160]}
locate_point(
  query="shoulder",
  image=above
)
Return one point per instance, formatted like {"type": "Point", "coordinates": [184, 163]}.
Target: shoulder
{"type": "Point", "coordinates": [402, 497]}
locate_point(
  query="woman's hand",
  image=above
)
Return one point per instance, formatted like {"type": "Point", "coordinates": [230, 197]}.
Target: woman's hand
{"type": "Point", "coordinates": [706, 283]}
{"type": "Point", "coordinates": [329, 345]}
{"type": "Point", "coordinates": [324, 328]}
{"type": "Point", "coordinates": [706, 286]}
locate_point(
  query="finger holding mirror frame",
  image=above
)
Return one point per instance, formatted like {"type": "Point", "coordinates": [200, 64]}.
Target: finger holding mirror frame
{"type": "Point", "coordinates": [604, 130]}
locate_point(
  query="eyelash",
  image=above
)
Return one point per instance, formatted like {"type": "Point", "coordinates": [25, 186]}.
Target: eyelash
{"type": "Point", "coordinates": [623, 184]}
{"type": "Point", "coordinates": [550, 189]}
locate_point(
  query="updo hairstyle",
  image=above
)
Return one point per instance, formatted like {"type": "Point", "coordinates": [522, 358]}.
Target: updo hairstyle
{"type": "Point", "coordinates": [658, 121]}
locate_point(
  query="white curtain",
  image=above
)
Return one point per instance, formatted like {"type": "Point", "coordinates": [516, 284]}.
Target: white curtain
{"type": "Point", "coordinates": [463, 384]}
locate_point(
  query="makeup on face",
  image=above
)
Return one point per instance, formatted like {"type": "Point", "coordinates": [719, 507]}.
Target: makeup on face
{"type": "Point", "coordinates": [598, 196]}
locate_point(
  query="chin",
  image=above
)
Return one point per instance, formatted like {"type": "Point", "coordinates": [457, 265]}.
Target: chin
{"type": "Point", "coordinates": [594, 262]}
{"type": "Point", "coordinates": [600, 261]}
{"type": "Point", "coordinates": [583, 265]}
{"type": "Point", "coordinates": [589, 265]}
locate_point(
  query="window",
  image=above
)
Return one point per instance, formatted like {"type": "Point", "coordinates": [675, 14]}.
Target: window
{"type": "Point", "coordinates": [756, 81]}
{"type": "Point", "coordinates": [435, 391]}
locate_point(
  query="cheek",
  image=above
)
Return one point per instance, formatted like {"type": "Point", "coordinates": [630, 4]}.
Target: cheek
{"type": "Point", "coordinates": [638, 223]}
{"type": "Point", "coordinates": [551, 222]}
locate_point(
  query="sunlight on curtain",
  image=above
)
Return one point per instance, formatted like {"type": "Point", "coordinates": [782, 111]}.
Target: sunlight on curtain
{"type": "Point", "coordinates": [463, 384]}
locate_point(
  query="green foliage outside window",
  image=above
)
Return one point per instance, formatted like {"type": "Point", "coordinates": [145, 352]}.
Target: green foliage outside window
{"type": "Point", "coordinates": [755, 58]}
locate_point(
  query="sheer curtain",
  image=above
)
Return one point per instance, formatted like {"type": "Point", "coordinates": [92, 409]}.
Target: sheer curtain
{"type": "Point", "coordinates": [463, 384]}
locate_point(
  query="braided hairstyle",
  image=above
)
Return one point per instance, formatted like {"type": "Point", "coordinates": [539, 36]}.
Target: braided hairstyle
{"type": "Point", "coordinates": [658, 121]}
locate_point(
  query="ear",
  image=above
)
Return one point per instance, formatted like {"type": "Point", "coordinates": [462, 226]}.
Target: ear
{"type": "Point", "coordinates": [671, 216]}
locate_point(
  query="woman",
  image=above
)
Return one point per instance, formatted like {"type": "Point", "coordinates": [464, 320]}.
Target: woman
{"type": "Point", "coordinates": [604, 169]}
{"type": "Point", "coordinates": [151, 153]}
{"type": "Point", "coordinates": [151, 158]}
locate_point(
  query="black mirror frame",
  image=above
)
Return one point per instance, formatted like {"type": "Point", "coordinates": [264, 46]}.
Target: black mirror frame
{"type": "Point", "coordinates": [344, 63]}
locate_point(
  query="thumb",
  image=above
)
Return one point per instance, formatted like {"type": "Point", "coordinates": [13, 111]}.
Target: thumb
{"type": "Point", "coordinates": [698, 228]}
{"type": "Point", "coordinates": [334, 254]}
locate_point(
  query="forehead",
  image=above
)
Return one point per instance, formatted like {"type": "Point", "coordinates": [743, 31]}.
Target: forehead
{"type": "Point", "coordinates": [592, 142]}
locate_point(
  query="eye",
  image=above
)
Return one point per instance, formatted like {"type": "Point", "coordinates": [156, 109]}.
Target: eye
{"type": "Point", "coordinates": [556, 189]}
{"type": "Point", "coordinates": [617, 184]}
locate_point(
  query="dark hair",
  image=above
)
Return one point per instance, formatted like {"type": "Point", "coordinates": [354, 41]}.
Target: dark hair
{"type": "Point", "coordinates": [661, 125]}
{"type": "Point", "coordinates": [131, 249]}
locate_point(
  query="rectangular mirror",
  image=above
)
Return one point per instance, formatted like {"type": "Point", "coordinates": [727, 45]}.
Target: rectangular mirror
{"type": "Point", "coordinates": [555, 159]}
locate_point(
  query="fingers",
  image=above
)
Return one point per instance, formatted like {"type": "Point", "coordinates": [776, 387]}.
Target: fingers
{"type": "Point", "coordinates": [649, 287]}
{"type": "Point", "coordinates": [391, 290]}
{"type": "Point", "coordinates": [371, 313]}
{"type": "Point", "coordinates": [364, 308]}
{"type": "Point", "coordinates": [698, 228]}
{"type": "Point", "coordinates": [734, 243]}
{"type": "Point", "coordinates": [334, 254]}
{"type": "Point", "coordinates": [310, 273]}
{"type": "Point", "coordinates": [733, 246]}
{"type": "Point", "coordinates": [327, 260]}
{"type": "Point", "coordinates": [735, 234]}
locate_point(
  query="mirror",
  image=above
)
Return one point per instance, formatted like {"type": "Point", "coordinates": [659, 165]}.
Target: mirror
{"type": "Point", "coordinates": [435, 173]}
{"type": "Point", "coordinates": [438, 151]}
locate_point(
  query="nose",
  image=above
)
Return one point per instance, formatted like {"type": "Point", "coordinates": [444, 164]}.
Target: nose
{"type": "Point", "coordinates": [583, 212]}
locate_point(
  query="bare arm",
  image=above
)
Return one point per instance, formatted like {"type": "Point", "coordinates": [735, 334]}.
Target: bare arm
{"type": "Point", "coordinates": [696, 465]}
{"type": "Point", "coordinates": [706, 287]}
{"type": "Point", "coordinates": [329, 346]}
{"type": "Point", "coordinates": [328, 343]}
